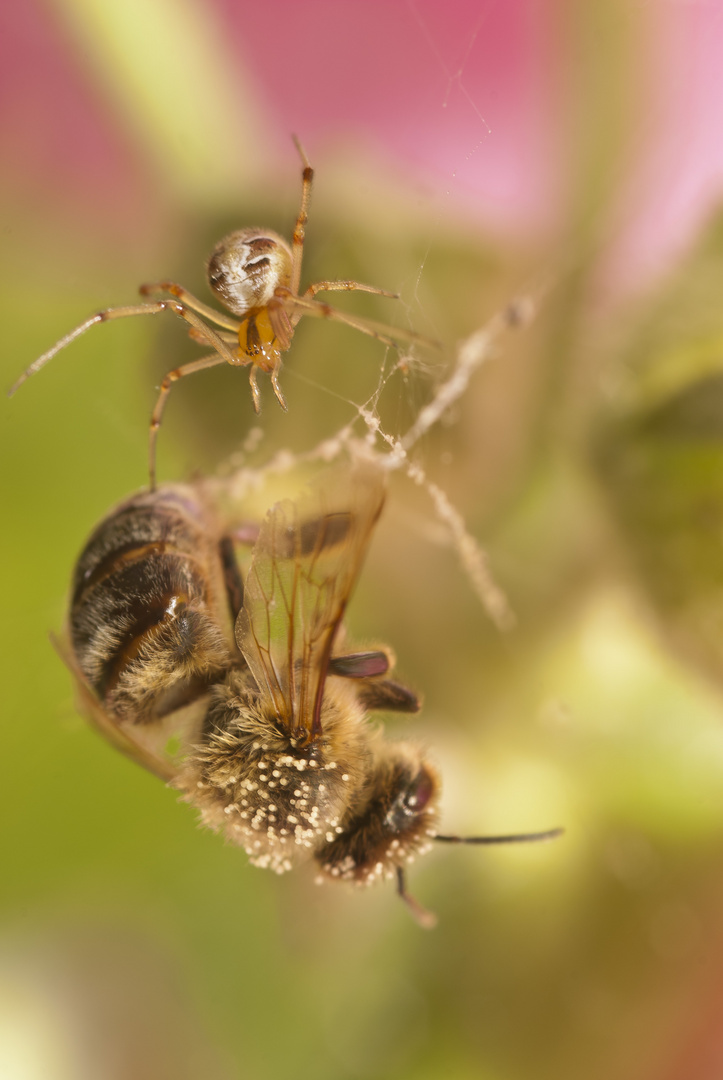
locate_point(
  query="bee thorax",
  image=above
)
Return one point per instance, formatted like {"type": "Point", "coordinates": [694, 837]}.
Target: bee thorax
{"type": "Point", "coordinates": [278, 798]}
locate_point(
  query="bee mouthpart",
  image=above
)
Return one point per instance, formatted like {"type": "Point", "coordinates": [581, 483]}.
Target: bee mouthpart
{"type": "Point", "coordinates": [421, 915]}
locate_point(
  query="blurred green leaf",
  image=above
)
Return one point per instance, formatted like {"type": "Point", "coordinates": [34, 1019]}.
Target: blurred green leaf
{"type": "Point", "coordinates": [166, 66]}
{"type": "Point", "coordinates": [659, 452]}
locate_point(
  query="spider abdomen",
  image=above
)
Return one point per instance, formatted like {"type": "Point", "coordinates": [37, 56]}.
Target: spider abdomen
{"type": "Point", "coordinates": [246, 267]}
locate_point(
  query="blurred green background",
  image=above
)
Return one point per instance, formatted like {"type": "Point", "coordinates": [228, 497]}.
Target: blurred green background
{"type": "Point", "coordinates": [586, 458]}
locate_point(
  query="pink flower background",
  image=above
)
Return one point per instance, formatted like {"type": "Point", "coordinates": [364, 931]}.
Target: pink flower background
{"type": "Point", "coordinates": [473, 100]}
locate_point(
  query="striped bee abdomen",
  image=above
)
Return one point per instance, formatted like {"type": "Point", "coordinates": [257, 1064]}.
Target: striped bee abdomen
{"type": "Point", "coordinates": [147, 593]}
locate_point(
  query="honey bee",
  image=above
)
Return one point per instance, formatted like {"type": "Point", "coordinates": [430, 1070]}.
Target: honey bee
{"type": "Point", "coordinates": [245, 695]}
{"type": "Point", "coordinates": [256, 275]}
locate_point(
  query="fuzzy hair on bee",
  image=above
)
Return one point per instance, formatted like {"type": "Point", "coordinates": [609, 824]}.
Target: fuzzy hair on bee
{"type": "Point", "coordinates": [244, 695]}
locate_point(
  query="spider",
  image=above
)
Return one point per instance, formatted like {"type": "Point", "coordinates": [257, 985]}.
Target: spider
{"type": "Point", "coordinates": [256, 275]}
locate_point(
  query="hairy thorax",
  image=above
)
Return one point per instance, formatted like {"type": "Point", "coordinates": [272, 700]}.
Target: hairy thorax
{"type": "Point", "coordinates": [279, 797]}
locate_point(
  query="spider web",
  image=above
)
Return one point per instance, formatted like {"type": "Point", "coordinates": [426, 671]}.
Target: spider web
{"type": "Point", "coordinates": [366, 434]}
{"type": "Point", "coordinates": [365, 437]}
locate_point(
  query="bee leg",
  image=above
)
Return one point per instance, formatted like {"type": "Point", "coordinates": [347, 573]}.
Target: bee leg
{"type": "Point", "coordinates": [362, 665]}
{"type": "Point", "coordinates": [231, 577]}
{"type": "Point", "coordinates": [387, 695]}
{"type": "Point", "coordinates": [426, 919]}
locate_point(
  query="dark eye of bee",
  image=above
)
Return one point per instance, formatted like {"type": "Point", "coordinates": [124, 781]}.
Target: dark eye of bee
{"type": "Point", "coordinates": [411, 802]}
{"type": "Point", "coordinates": [419, 792]}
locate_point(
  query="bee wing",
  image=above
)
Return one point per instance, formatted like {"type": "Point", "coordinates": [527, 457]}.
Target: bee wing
{"type": "Point", "coordinates": [303, 570]}
{"type": "Point", "coordinates": [157, 747]}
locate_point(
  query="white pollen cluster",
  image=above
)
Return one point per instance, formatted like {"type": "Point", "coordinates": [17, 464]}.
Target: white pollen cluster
{"type": "Point", "coordinates": [397, 853]}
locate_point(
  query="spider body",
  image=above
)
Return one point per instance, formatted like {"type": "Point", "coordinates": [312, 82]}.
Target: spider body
{"type": "Point", "coordinates": [250, 272]}
{"type": "Point", "coordinates": [256, 275]}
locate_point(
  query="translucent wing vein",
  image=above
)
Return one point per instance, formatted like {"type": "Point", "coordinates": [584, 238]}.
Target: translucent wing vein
{"type": "Point", "coordinates": [304, 567]}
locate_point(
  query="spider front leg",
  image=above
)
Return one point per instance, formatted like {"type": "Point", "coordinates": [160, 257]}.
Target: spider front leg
{"type": "Point", "coordinates": [347, 286]}
{"type": "Point", "coordinates": [205, 333]}
{"type": "Point", "coordinates": [274, 376]}
{"type": "Point", "coordinates": [190, 301]}
{"type": "Point", "coordinates": [262, 337]}
{"type": "Point", "coordinates": [298, 306]}
{"type": "Point", "coordinates": [297, 239]}
{"type": "Point", "coordinates": [339, 286]}
{"type": "Point", "coordinates": [255, 393]}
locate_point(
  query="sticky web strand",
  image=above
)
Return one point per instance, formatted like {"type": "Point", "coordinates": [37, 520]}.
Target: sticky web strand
{"type": "Point", "coordinates": [473, 557]}
{"type": "Point", "coordinates": [393, 455]}
{"type": "Point", "coordinates": [453, 78]}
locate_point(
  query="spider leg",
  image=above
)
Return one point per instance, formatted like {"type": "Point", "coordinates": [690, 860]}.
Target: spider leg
{"type": "Point", "coordinates": [274, 375]}
{"type": "Point", "coordinates": [190, 300]}
{"type": "Point", "coordinates": [346, 286]}
{"type": "Point", "coordinates": [253, 383]}
{"type": "Point", "coordinates": [165, 388]}
{"type": "Point", "coordinates": [230, 339]}
{"type": "Point", "coordinates": [205, 333]}
{"type": "Point", "coordinates": [281, 324]}
{"type": "Point", "coordinates": [297, 239]}
{"type": "Point", "coordinates": [270, 359]}
{"type": "Point", "coordinates": [297, 306]}
{"type": "Point", "coordinates": [339, 286]}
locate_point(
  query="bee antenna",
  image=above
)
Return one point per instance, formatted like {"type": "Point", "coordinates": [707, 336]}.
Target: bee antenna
{"type": "Point", "coordinates": [426, 919]}
{"type": "Point", "coordinates": [515, 838]}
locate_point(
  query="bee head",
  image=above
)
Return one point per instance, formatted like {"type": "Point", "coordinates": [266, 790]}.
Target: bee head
{"type": "Point", "coordinates": [246, 267]}
{"type": "Point", "coordinates": [390, 823]}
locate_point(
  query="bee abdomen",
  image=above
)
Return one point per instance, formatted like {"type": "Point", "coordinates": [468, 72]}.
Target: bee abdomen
{"type": "Point", "coordinates": [142, 623]}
